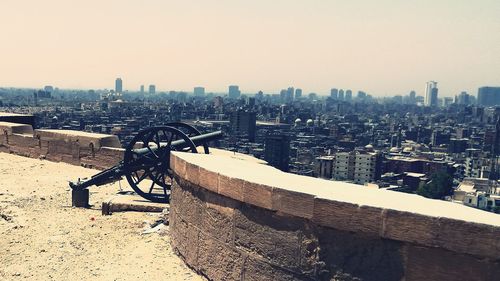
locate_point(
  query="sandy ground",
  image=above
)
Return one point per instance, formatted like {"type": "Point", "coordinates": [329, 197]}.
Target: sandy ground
{"type": "Point", "coordinates": [43, 238]}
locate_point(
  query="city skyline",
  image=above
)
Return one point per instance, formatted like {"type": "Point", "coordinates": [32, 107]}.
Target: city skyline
{"type": "Point", "coordinates": [384, 48]}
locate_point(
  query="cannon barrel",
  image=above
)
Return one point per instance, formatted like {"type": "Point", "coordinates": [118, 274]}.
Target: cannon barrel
{"type": "Point", "coordinates": [180, 144]}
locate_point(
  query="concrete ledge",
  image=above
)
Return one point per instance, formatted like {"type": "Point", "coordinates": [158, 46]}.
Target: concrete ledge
{"type": "Point", "coordinates": [83, 138]}
{"type": "Point", "coordinates": [370, 215]}
{"type": "Point", "coordinates": [74, 147]}
{"type": "Point", "coordinates": [15, 128]}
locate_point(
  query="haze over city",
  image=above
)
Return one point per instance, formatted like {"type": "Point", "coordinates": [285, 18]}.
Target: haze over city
{"type": "Point", "coordinates": [381, 47]}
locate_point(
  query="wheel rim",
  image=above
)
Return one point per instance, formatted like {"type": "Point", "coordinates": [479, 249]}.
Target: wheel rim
{"type": "Point", "coordinates": [147, 161]}
{"type": "Point", "coordinates": [190, 131]}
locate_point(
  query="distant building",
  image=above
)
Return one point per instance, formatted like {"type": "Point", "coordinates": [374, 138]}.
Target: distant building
{"type": "Point", "coordinates": [118, 85]}
{"type": "Point", "coordinates": [412, 97]}
{"type": "Point", "coordinates": [431, 94]}
{"type": "Point", "coordinates": [49, 89]}
{"type": "Point", "coordinates": [277, 151]}
{"type": "Point", "coordinates": [199, 91]}
{"type": "Point", "coordinates": [457, 145]}
{"type": "Point", "coordinates": [152, 89]}
{"type": "Point", "coordinates": [142, 89]}
{"type": "Point", "coordinates": [488, 96]}
{"type": "Point", "coordinates": [343, 168]}
{"type": "Point", "coordinates": [243, 123]}
{"type": "Point", "coordinates": [361, 95]}
{"type": "Point", "coordinates": [323, 167]}
{"type": "Point", "coordinates": [298, 93]}
{"type": "Point", "coordinates": [447, 101]}
{"type": "Point", "coordinates": [234, 92]}
{"type": "Point", "coordinates": [464, 99]}
{"type": "Point", "coordinates": [348, 95]}
{"type": "Point", "coordinates": [341, 94]}
{"type": "Point", "coordinates": [334, 93]}
{"type": "Point", "coordinates": [367, 167]}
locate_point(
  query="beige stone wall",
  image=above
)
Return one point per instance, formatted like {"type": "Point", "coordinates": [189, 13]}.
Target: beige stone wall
{"type": "Point", "coordinates": [228, 227]}
{"type": "Point", "coordinates": [74, 147]}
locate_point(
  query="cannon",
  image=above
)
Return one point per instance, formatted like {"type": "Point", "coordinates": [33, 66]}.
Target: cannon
{"type": "Point", "coordinates": [146, 162]}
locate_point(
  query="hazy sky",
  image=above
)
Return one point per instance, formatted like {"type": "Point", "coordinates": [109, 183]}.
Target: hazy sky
{"type": "Point", "coordinates": [380, 46]}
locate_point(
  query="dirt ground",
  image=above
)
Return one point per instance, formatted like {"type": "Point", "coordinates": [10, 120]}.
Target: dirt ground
{"type": "Point", "coordinates": [43, 238]}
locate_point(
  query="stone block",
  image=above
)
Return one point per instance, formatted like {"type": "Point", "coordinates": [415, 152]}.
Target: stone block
{"type": "Point", "coordinates": [257, 270]}
{"type": "Point", "coordinates": [218, 261]}
{"type": "Point", "coordinates": [470, 238]}
{"type": "Point", "coordinates": [179, 166]}
{"type": "Point", "coordinates": [231, 187]}
{"type": "Point", "coordinates": [424, 263]}
{"type": "Point", "coordinates": [83, 138]}
{"type": "Point", "coordinates": [22, 140]}
{"type": "Point", "coordinates": [185, 239]}
{"type": "Point", "coordinates": [192, 173]}
{"type": "Point", "coordinates": [258, 195]}
{"type": "Point", "coordinates": [293, 203]}
{"type": "Point", "coordinates": [410, 227]}
{"type": "Point", "coordinates": [209, 180]}
{"type": "Point", "coordinates": [357, 256]}
{"type": "Point", "coordinates": [15, 128]}
{"type": "Point", "coordinates": [347, 216]}
{"type": "Point", "coordinates": [274, 238]}
{"type": "Point", "coordinates": [218, 217]}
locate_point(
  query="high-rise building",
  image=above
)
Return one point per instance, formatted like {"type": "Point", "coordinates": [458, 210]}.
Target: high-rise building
{"type": "Point", "coordinates": [277, 151]}
{"type": "Point", "coordinates": [298, 93]}
{"type": "Point", "coordinates": [361, 95]}
{"type": "Point", "coordinates": [348, 95]}
{"type": "Point", "coordinates": [118, 85]}
{"type": "Point", "coordinates": [488, 96]}
{"type": "Point", "coordinates": [463, 98]}
{"type": "Point", "coordinates": [413, 97]}
{"type": "Point", "coordinates": [290, 93]}
{"type": "Point", "coordinates": [334, 93]}
{"type": "Point", "coordinates": [199, 91]}
{"type": "Point", "coordinates": [431, 94]}
{"type": "Point", "coordinates": [234, 92]}
{"type": "Point", "coordinates": [341, 94]}
{"type": "Point", "coordinates": [243, 123]}
{"type": "Point", "coordinates": [142, 89]}
{"type": "Point", "coordinates": [152, 89]}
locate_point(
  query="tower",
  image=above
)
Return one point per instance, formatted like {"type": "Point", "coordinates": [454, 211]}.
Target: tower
{"type": "Point", "coordinates": [277, 151]}
{"type": "Point", "coordinates": [234, 92]}
{"type": "Point", "coordinates": [118, 85]}
{"type": "Point", "coordinates": [431, 94]}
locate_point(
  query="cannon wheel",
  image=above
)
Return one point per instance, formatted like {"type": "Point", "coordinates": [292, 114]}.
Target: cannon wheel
{"type": "Point", "coordinates": [154, 161]}
{"type": "Point", "coordinates": [189, 130]}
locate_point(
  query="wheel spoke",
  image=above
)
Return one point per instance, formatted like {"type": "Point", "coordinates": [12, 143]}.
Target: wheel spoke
{"type": "Point", "coordinates": [152, 185]}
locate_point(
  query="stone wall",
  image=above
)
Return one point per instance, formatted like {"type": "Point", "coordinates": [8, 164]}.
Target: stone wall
{"type": "Point", "coordinates": [240, 220]}
{"type": "Point", "coordinates": [79, 148]}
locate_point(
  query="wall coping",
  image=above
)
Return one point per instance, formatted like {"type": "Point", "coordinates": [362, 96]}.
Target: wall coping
{"type": "Point", "coordinates": [84, 138]}
{"type": "Point", "coordinates": [344, 206]}
{"type": "Point", "coordinates": [16, 128]}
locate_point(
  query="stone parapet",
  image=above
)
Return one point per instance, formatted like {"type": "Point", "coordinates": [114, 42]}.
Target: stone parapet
{"type": "Point", "coordinates": [75, 147]}
{"type": "Point", "coordinates": [240, 220]}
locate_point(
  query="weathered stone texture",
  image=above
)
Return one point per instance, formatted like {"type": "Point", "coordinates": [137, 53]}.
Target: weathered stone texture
{"type": "Point", "coordinates": [437, 264]}
{"type": "Point", "coordinates": [228, 239]}
{"type": "Point", "coordinates": [347, 216]}
{"type": "Point", "coordinates": [357, 256]}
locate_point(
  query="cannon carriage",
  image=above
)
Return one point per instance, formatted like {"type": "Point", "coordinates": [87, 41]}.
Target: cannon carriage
{"type": "Point", "coordinates": [146, 162]}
